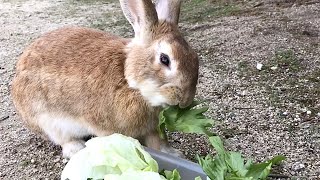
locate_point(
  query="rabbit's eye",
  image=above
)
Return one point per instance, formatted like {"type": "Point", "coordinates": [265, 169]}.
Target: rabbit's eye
{"type": "Point", "coordinates": [164, 59]}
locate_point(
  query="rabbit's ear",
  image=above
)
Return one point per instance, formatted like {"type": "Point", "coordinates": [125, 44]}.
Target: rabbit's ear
{"type": "Point", "coordinates": [168, 10]}
{"type": "Point", "coordinates": [142, 15]}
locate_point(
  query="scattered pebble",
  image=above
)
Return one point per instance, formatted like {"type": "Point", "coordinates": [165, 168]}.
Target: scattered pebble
{"type": "Point", "coordinates": [274, 68]}
{"type": "Point", "coordinates": [56, 160]}
{"type": "Point", "coordinates": [304, 110]}
{"type": "Point", "coordinates": [259, 66]}
{"type": "Point", "coordinates": [298, 167]}
{"type": "Point", "coordinates": [244, 93]}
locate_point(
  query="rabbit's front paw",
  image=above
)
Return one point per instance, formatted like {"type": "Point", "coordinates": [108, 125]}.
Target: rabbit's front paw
{"type": "Point", "coordinates": [72, 147]}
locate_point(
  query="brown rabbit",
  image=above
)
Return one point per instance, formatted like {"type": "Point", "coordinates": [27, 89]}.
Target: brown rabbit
{"type": "Point", "coordinates": [74, 82]}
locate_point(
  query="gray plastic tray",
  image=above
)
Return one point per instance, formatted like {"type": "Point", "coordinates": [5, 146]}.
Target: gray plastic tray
{"type": "Point", "coordinates": [188, 170]}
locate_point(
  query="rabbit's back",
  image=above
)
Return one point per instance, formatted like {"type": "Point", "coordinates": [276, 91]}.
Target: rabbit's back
{"type": "Point", "coordinates": [72, 49]}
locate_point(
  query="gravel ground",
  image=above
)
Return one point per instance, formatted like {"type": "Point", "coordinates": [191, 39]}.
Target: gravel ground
{"type": "Point", "coordinates": [261, 113]}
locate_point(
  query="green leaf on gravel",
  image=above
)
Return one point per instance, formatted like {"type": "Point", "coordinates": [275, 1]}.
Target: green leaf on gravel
{"type": "Point", "coordinates": [277, 159]}
{"type": "Point", "coordinates": [262, 170]}
{"type": "Point", "coordinates": [236, 163]}
{"type": "Point", "coordinates": [259, 171]}
{"type": "Point", "coordinates": [229, 165]}
{"type": "Point", "coordinates": [216, 142]}
{"type": "Point", "coordinates": [226, 165]}
{"type": "Point", "coordinates": [214, 168]}
{"type": "Point", "coordinates": [187, 120]}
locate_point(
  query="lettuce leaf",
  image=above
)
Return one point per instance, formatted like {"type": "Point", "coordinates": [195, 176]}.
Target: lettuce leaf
{"type": "Point", "coordinates": [171, 175]}
{"type": "Point", "coordinates": [187, 120]}
{"type": "Point", "coordinates": [114, 154]}
{"type": "Point", "coordinates": [135, 175]}
{"type": "Point", "coordinates": [229, 165]}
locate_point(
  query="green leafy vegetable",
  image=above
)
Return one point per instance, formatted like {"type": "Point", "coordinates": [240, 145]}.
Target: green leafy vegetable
{"type": "Point", "coordinates": [228, 165]}
{"type": "Point", "coordinates": [118, 157]}
{"type": "Point", "coordinates": [114, 154]}
{"type": "Point", "coordinates": [187, 120]}
{"type": "Point", "coordinates": [214, 168]}
{"type": "Point", "coordinates": [171, 175]}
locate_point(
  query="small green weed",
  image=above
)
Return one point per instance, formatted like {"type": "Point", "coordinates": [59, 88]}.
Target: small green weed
{"type": "Point", "coordinates": [288, 80]}
{"type": "Point", "coordinates": [244, 69]}
{"type": "Point", "coordinates": [99, 24]}
{"type": "Point", "coordinates": [286, 61]}
{"type": "Point", "coordinates": [25, 163]}
{"type": "Point", "coordinates": [203, 10]}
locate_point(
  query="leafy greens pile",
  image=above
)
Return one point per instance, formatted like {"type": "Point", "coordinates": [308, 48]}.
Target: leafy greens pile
{"type": "Point", "coordinates": [117, 157]}
{"type": "Point", "coordinates": [226, 165]}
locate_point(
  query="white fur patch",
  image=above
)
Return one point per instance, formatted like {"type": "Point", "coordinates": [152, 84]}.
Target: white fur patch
{"type": "Point", "coordinates": [165, 48]}
{"type": "Point", "coordinates": [132, 83]}
{"type": "Point", "coordinates": [157, 100]}
{"type": "Point", "coordinates": [149, 89]}
{"type": "Point", "coordinates": [60, 128]}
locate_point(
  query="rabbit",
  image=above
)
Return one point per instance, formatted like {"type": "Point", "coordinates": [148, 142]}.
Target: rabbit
{"type": "Point", "coordinates": [76, 82]}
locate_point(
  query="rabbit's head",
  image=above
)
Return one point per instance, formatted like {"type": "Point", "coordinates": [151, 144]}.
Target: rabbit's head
{"type": "Point", "coordinates": [160, 63]}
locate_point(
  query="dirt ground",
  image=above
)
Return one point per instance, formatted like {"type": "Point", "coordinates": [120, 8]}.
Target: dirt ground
{"type": "Point", "coordinates": [261, 113]}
